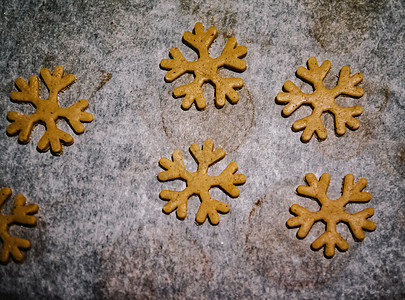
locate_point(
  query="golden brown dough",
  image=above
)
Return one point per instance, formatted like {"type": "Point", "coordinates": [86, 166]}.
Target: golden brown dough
{"type": "Point", "coordinates": [199, 183]}
{"type": "Point", "coordinates": [332, 212]}
{"type": "Point", "coordinates": [21, 214]}
{"type": "Point", "coordinates": [47, 111]}
{"type": "Point", "coordinates": [205, 69]}
{"type": "Point", "coordinates": [322, 100]}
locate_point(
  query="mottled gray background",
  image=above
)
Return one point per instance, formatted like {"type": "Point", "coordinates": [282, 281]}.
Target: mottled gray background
{"type": "Point", "coordinates": [101, 232]}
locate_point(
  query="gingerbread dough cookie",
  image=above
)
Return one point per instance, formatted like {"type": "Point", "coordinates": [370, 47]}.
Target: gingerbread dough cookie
{"type": "Point", "coordinates": [47, 111]}
{"type": "Point", "coordinates": [322, 100]}
{"type": "Point", "coordinates": [21, 214]}
{"type": "Point", "coordinates": [332, 212]}
{"type": "Point", "coordinates": [205, 69]}
{"type": "Point", "coordinates": [199, 183]}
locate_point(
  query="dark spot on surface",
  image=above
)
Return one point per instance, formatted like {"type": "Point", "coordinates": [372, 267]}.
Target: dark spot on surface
{"type": "Point", "coordinates": [49, 60]}
{"type": "Point", "coordinates": [257, 204]}
{"type": "Point", "coordinates": [196, 8]}
{"type": "Point", "coordinates": [105, 77]}
{"type": "Point", "coordinates": [164, 128]}
{"type": "Point", "coordinates": [402, 155]}
{"type": "Point", "coordinates": [399, 161]}
{"type": "Point", "coordinates": [401, 214]}
{"type": "Point", "coordinates": [265, 43]}
{"type": "Point", "coordinates": [387, 99]}
{"type": "Point", "coordinates": [230, 19]}
{"type": "Point", "coordinates": [187, 6]}
{"type": "Point", "coordinates": [342, 25]}
{"type": "Point", "coordinates": [228, 34]}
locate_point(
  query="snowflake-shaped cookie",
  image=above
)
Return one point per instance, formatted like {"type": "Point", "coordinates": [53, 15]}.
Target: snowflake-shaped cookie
{"type": "Point", "coordinates": [205, 68]}
{"type": "Point", "coordinates": [199, 183]}
{"type": "Point", "coordinates": [322, 100]}
{"type": "Point", "coordinates": [47, 111]}
{"type": "Point", "coordinates": [20, 215]}
{"type": "Point", "coordinates": [332, 212]}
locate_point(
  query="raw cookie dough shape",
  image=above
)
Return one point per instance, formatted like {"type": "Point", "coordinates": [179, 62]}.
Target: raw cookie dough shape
{"type": "Point", "coordinates": [47, 111]}
{"type": "Point", "coordinates": [322, 100]}
{"type": "Point", "coordinates": [20, 215]}
{"type": "Point", "coordinates": [332, 212]}
{"type": "Point", "coordinates": [205, 69]}
{"type": "Point", "coordinates": [199, 183]}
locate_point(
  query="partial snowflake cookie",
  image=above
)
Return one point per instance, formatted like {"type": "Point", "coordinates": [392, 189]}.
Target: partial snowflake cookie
{"type": "Point", "coordinates": [199, 182]}
{"type": "Point", "coordinates": [332, 212]}
{"type": "Point", "coordinates": [47, 111]}
{"type": "Point", "coordinates": [21, 214]}
{"type": "Point", "coordinates": [205, 68]}
{"type": "Point", "coordinates": [322, 100]}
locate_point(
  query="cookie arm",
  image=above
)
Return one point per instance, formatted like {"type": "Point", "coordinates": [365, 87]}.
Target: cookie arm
{"type": "Point", "coordinates": [200, 40]}
{"type": "Point", "coordinates": [293, 97]}
{"type": "Point", "coordinates": [315, 189]}
{"type": "Point", "coordinates": [56, 82]}
{"type": "Point", "coordinates": [21, 214]}
{"type": "Point", "coordinates": [303, 219]}
{"type": "Point", "coordinates": [209, 208]}
{"type": "Point", "coordinates": [347, 85]}
{"type": "Point", "coordinates": [231, 56]}
{"type": "Point", "coordinates": [177, 65]}
{"type": "Point", "coordinates": [28, 92]}
{"type": "Point", "coordinates": [228, 180]}
{"type": "Point", "coordinates": [174, 168]}
{"type": "Point", "coordinates": [207, 155]}
{"type": "Point", "coordinates": [358, 221]}
{"type": "Point", "coordinates": [225, 88]}
{"type": "Point", "coordinates": [75, 115]}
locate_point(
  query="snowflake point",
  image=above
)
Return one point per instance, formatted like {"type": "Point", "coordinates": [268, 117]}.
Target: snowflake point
{"type": "Point", "coordinates": [332, 212]}
{"type": "Point", "coordinates": [205, 68]}
{"type": "Point", "coordinates": [47, 111]}
{"type": "Point", "coordinates": [199, 182]}
{"type": "Point", "coordinates": [321, 100]}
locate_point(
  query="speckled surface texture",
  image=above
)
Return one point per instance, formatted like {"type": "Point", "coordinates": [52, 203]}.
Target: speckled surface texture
{"type": "Point", "coordinates": [102, 233]}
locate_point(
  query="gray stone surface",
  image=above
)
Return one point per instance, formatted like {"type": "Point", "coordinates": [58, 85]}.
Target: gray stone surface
{"type": "Point", "coordinates": [101, 232]}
